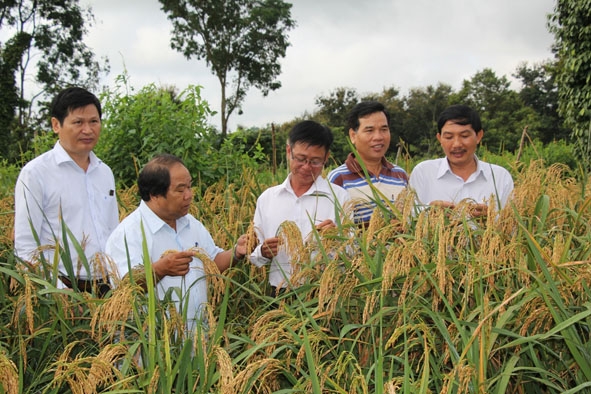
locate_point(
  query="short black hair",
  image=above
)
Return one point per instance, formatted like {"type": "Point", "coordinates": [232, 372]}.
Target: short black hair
{"type": "Point", "coordinates": [310, 133]}
{"type": "Point", "coordinates": [154, 178]}
{"type": "Point", "coordinates": [459, 114]}
{"type": "Point", "coordinates": [70, 99]}
{"type": "Point", "coordinates": [363, 109]}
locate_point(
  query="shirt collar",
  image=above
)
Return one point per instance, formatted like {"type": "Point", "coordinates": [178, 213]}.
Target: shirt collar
{"type": "Point", "coordinates": [61, 156]}
{"type": "Point", "coordinates": [444, 168]}
{"type": "Point", "coordinates": [320, 185]}
{"type": "Point", "coordinates": [155, 223]}
{"type": "Point", "coordinates": [353, 164]}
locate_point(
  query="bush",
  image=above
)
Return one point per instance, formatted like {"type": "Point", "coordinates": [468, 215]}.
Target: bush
{"type": "Point", "coordinates": [155, 120]}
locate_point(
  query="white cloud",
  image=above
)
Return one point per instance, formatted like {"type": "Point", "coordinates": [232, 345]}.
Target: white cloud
{"type": "Point", "coordinates": [363, 45]}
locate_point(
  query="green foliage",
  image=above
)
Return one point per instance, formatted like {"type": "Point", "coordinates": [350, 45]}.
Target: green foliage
{"type": "Point", "coordinates": [41, 143]}
{"type": "Point", "coordinates": [240, 40]}
{"type": "Point", "coordinates": [503, 114]}
{"type": "Point", "coordinates": [154, 120]}
{"type": "Point", "coordinates": [46, 36]}
{"type": "Point", "coordinates": [555, 152]}
{"type": "Point", "coordinates": [9, 171]}
{"type": "Point", "coordinates": [334, 108]}
{"type": "Point", "coordinates": [8, 175]}
{"type": "Point", "coordinates": [571, 25]}
{"type": "Point", "coordinates": [423, 106]}
{"type": "Point", "coordinates": [539, 91]}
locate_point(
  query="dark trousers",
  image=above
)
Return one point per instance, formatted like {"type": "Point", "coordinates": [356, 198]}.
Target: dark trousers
{"type": "Point", "coordinates": [101, 286]}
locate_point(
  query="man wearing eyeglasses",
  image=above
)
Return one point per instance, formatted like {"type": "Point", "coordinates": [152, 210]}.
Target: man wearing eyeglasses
{"type": "Point", "coordinates": [369, 132]}
{"type": "Point", "coordinates": [305, 198]}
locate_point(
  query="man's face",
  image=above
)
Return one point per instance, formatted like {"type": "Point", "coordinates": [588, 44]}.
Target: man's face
{"type": "Point", "coordinates": [459, 143]}
{"type": "Point", "coordinates": [80, 130]}
{"type": "Point", "coordinates": [306, 162]}
{"type": "Point", "coordinates": [179, 195]}
{"type": "Point", "coordinates": [372, 138]}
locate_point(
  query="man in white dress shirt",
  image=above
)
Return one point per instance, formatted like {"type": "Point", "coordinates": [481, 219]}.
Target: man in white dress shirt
{"type": "Point", "coordinates": [460, 175]}
{"type": "Point", "coordinates": [305, 198]}
{"type": "Point", "coordinates": [69, 186]}
{"type": "Point", "coordinates": [172, 236]}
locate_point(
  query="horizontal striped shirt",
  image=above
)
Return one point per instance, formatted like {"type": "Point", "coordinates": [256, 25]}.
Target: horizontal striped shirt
{"type": "Point", "coordinates": [390, 182]}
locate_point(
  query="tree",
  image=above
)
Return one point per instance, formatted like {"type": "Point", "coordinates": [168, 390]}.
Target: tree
{"type": "Point", "coordinates": [423, 106]}
{"type": "Point", "coordinates": [44, 45]}
{"type": "Point", "coordinates": [334, 108]}
{"type": "Point", "coordinates": [240, 40]}
{"type": "Point", "coordinates": [540, 92]}
{"type": "Point", "coordinates": [571, 25]}
{"type": "Point", "coordinates": [503, 114]}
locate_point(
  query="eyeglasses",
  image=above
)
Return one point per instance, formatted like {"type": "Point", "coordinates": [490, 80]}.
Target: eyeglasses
{"type": "Point", "coordinates": [316, 163]}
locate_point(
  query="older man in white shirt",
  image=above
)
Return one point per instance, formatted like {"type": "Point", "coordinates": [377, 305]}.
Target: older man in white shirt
{"type": "Point", "coordinates": [172, 237]}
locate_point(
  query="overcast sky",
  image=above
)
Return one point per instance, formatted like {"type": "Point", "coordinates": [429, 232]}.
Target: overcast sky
{"type": "Point", "coordinates": [366, 45]}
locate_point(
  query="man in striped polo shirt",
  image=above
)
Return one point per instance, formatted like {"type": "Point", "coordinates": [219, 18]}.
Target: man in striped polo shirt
{"type": "Point", "coordinates": [369, 131]}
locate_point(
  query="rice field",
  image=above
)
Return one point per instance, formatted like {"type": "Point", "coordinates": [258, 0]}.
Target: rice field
{"type": "Point", "coordinates": [435, 303]}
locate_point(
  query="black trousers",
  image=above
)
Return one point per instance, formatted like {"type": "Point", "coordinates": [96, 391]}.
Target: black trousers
{"type": "Point", "coordinates": [101, 286]}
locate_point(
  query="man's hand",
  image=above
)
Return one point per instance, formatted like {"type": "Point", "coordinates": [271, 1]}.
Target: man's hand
{"type": "Point", "coordinates": [173, 264]}
{"type": "Point", "coordinates": [241, 248]}
{"type": "Point", "coordinates": [269, 247]}
{"type": "Point", "coordinates": [443, 204]}
{"type": "Point", "coordinates": [478, 210]}
{"type": "Point", "coordinates": [326, 224]}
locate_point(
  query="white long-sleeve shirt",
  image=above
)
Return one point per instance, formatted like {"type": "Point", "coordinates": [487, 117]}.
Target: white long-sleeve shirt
{"type": "Point", "coordinates": [278, 204]}
{"type": "Point", "coordinates": [125, 247]}
{"type": "Point", "coordinates": [52, 189]}
{"type": "Point", "coordinates": [433, 180]}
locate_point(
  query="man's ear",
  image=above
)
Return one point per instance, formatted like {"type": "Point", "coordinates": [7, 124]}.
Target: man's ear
{"type": "Point", "coordinates": [352, 135]}
{"type": "Point", "coordinates": [479, 135]}
{"type": "Point", "coordinates": [55, 125]}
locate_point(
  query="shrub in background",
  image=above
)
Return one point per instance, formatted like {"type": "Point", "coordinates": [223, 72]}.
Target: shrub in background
{"type": "Point", "coordinates": [136, 126]}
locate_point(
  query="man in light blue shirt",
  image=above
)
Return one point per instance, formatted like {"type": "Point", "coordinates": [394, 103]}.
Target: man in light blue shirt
{"type": "Point", "coordinates": [172, 236]}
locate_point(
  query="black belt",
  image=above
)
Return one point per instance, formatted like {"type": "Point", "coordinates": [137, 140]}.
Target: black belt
{"type": "Point", "coordinates": [102, 286]}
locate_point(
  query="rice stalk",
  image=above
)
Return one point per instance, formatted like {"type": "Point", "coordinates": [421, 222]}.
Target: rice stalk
{"type": "Point", "coordinates": [9, 379]}
{"type": "Point", "coordinates": [86, 375]}
{"type": "Point", "coordinates": [260, 374]}
{"type": "Point", "coordinates": [30, 302]}
{"type": "Point", "coordinates": [111, 316]}
{"type": "Point", "coordinates": [291, 240]}
{"type": "Point", "coordinates": [224, 368]}
{"type": "Point", "coordinates": [153, 385]}
{"type": "Point", "coordinates": [215, 280]}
